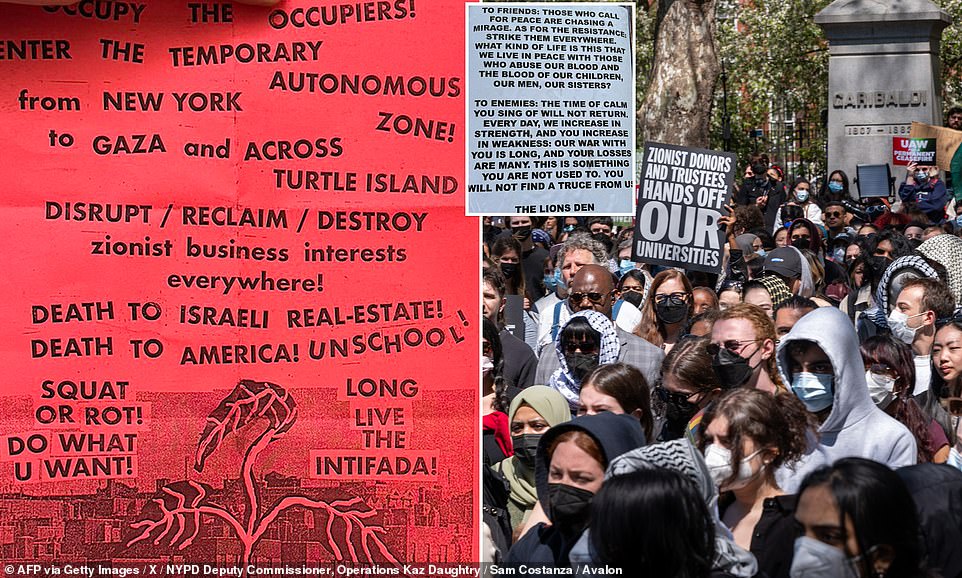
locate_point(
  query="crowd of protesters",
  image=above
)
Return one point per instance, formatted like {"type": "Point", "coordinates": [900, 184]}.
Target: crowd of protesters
{"type": "Point", "coordinates": [797, 414]}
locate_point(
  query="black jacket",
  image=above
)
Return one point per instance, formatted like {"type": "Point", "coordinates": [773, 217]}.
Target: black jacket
{"type": "Point", "coordinates": [546, 545]}
{"type": "Point", "coordinates": [937, 491]}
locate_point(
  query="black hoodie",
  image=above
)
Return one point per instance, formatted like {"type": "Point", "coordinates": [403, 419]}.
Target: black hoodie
{"type": "Point", "coordinates": [548, 545]}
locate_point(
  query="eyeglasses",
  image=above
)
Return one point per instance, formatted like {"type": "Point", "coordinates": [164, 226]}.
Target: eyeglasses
{"type": "Point", "coordinates": [664, 297]}
{"type": "Point", "coordinates": [587, 347]}
{"type": "Point", "coordinates": [677, 398]}
{"type": "Point", "coordinates": [833, 215]}
{"type": "Point", "coordinates": [733, 345]}
{"type": "Point", "coordinates": [596, 298]}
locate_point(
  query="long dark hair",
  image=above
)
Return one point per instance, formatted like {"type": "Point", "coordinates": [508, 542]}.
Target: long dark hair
{"type": "Point", "coordinates": [939, 388]}
{"type": "Point", "coordinates": [897, 355]}
{"type": "Point", "coordinates": [653, 522]}
{"type": "Point", "coordinates": [490, 334]}
{"type": "Point", "coordinates": [881, 509]}
{"type": "Point", "coordinates": [515, 283]}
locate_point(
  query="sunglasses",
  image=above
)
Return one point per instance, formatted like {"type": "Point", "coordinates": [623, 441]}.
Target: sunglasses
{"type": "Point", "coordinates": [732, 345]}
{"type": "Point", "coordinates": [833, 215]}
{"type": "Point", "coordinates": [586, 347]}
{"type": "Point", "coordinates": [677, 398]}
{"type": "Point", "coordinates": [596, 298]}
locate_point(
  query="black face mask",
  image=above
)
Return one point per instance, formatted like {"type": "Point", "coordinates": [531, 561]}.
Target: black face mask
{"type": "Point", "coordinates": [633, 297]}
{"type": "Point", "coordinates": [526, 447]}
{"type": "Point", "coordinates": [680, 412]}
{"type": "Point", "coordinates": [801, 244]}
{"type": "Point", "coordinates": [672, 310]}
{"type": "Point", "coordinates": [878, 265]}
{"type": "Point", "coordinates": [581, 364]}
{"type": "Point", "coordinates": [915, 243]}
{"type": "Point", "coordinates": [521, 232]}
{"type": "Point", "coordinates": [731, 369]}
{"type": "Point", "coordinates": [569, 507]}
{"type": "Point", "coordinates": [509, 269]}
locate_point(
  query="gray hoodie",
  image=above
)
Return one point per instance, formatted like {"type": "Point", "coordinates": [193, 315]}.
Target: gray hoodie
{"type": "Point", "coordinates": [854, 427]}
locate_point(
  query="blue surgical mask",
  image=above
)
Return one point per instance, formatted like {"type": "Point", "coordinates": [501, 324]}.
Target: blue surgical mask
{"type": "Point", "coordinates": [921, 176]}
{"type": "Point", "coordinates": [558, 279]}
{"type": "Point", "coordinates": [550, 283]}
{"type": "Point", "coordinates": [761, 253]}
{"type": "Point", "coordinates": [625, 265]}
{"type": "Point", "coordinates": [835, 187]}
{"type": "Point", "coordinates": [814, 389]}
{"type": "Point", "coordinates": [801, 195]}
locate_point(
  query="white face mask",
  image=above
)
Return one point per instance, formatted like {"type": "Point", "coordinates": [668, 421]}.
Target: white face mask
{"type": "Point", "coordinates": [719, 462]}
{"type": "Point", "coordinates": [486, 364]}
{"type": "Point", "coordinates": [814, 559]}
{"type": "Point", "coordinates": [880, 387]}
{"type": "Point", "coordinates": [898, 324]}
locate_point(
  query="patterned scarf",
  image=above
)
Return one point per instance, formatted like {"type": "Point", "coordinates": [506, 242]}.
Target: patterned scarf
{"type": "Point", "coordinates": [562, 379]}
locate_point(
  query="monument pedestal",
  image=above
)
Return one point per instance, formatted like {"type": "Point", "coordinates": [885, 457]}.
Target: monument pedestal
{"type": "Point", "coordinates": [883, 73]}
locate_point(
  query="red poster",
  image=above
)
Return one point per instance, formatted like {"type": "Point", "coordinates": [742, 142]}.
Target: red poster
{"type": "Point", "coordinates": [239, 318]}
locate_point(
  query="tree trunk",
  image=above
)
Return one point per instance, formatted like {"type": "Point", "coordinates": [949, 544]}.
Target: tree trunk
{"type": "Point", "coordinates": [677, 106]}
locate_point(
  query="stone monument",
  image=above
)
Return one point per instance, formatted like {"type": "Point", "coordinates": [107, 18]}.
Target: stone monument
{"type": "Point", "coordinates": [883, 73]}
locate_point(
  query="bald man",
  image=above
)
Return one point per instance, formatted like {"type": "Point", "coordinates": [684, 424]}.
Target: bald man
{"type": "Point", "coordinates": [593, 287]}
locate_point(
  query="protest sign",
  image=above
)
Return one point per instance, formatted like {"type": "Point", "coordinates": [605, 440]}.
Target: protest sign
{"type": "Point", "coordinates": [551, 122]}
{"type": "Point", "coordinates": [682, 195]}
{"type": "Point", "coordinates": [947, 142]}
{"type": "Point", "coordinates": [223, 310]}
{"type": "Point", "coordinates": [913, 150]}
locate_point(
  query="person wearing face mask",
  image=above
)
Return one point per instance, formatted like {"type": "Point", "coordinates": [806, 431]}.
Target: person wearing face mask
{"type": "Point", "coordinates": [742, 349]}
{"type": "Point", "coordinates": [857, 519]}
{"type": "Point", "coordinates": [532, 412]}
{"type": "Point", "coordinates": [686, 388]}
{"type": "Point", "coordinates": [587, 341]}
{"type": "Point", "coordinates": [835, 188]}
{"type": "Point", "coordinates": [593, 290]}
{"type": "Point", "coordinates": [748, 435]}
{"type": "Point", "coordinates": [667, 309]}
{"type": "Point", "coordinates": [820, 360]}
{"type": "Point", "coordinates": [569, 470]}
{"type": "Point", "coordinates": [887, 287]}
{"type": "Point", "coordinates": [555, 310]}
{"type": "Point", "coordinates": [912, 321]}
{"type": "Point", "coordinates": [681, 456]}
{"type": "Point", "coordinates": [531, 254]}
{"type": "Point", "coordinates": [631, 288]}
{"type": "Point", "coordinates": [890, 376]}
{"type": "Point", "coordinates": [801, 196]}
{"type": "Point", "coordinates": [924, 190]}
